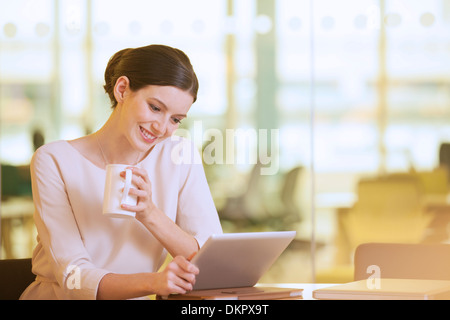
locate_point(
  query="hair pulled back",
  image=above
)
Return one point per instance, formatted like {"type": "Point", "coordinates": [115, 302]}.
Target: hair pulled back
{"type": "Point", "coordinates": [151, 65]}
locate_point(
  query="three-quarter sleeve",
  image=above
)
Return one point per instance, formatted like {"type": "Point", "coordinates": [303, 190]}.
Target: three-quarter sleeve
{"type": "Point", "coordinates": [68, 260]}
{"type": "Point", "coordinates": [196, 211]}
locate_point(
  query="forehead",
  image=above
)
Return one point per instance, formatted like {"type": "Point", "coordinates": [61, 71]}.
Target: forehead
{"type": "Point", "coordinates": [171, 97]}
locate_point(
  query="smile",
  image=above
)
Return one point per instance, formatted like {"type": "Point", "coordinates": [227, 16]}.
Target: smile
{"type": "Point", "coordinates": [148, 137]}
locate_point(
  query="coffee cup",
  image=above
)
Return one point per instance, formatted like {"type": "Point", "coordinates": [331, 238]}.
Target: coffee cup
{"type": "Point", "coordinates": [117, 191]}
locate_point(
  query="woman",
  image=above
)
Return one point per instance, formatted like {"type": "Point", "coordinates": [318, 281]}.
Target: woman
{"type": "Point", "coordinates": [82, 254]}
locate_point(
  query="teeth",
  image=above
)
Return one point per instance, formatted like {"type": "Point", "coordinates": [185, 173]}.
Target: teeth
{"type": "Point", "coordinates": [147, 134]}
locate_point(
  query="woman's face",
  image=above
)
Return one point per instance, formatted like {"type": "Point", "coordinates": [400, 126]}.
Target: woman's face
{"type": "Point", "coordinates": [153, 113]}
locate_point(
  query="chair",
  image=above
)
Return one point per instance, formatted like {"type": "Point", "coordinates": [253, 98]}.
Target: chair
{"type": "Point", "coordinates": [403, 261]}
{"type": "Point", "coordinates": [289, 194]}
{"type": "Point", "coordinates": [259, 207]}
{"type": "Point", "coordinates": [434, 182]}
{"type": "Point", "coordinates": [389, 209]}
{"type": "Point", "coordinates": [246, 206]}
{"type": "Point", "coordinates": [15, 276]}
{"type": "Point", "coordinates": [15, 181]}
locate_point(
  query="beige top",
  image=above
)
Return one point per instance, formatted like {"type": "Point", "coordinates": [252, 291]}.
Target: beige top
{"type": "Point", "coordinates": [77, 245]}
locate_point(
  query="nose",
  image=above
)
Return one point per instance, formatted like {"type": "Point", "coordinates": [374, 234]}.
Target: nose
{"type": "Point", "coordinates": [159, 126]}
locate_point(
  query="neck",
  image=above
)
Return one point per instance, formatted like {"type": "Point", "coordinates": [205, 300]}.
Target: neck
{"type": "Point", "coordinates": [114, 151]}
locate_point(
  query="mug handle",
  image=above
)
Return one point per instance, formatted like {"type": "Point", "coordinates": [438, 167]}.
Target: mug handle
{"type": "Point", "coordinates": [126, 190]}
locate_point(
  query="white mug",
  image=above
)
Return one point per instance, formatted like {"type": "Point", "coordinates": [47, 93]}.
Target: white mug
{"type": "Point", "coordinates": [117, 192]}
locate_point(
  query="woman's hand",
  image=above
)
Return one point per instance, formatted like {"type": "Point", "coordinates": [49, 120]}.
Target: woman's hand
{"type": "Point", "coordinates": [145, 205]}
{"type": "Point", "coordinates": [177, 277]}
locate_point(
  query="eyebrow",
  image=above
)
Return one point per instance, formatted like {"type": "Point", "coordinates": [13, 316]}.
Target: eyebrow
{"type": "Point", "coordinates": [165, 107]}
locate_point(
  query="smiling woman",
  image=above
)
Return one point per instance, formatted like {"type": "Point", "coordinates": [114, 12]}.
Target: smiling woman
{"type": "Point", "coordinates": [151, 89]}
{"type": "Point", "coordinates": [146, 116]}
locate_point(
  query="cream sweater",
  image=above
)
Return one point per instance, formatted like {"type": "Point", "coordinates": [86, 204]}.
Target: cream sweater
{"type": "Point", "coordinates": [77, 245]}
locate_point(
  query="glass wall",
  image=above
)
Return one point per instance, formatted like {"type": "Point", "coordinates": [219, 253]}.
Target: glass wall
{"type": "Point", "coordinates": [381, 106]}
{"type": "Point", "coordinates": [324, 109]}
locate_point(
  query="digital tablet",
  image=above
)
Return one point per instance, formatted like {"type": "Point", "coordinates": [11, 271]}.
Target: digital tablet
{"type": "Point", "coordinates": [232, 260]}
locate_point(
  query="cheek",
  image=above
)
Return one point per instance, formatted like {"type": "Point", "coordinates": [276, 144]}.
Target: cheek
{"type": "Point", "coordinates": [142, 113]}
{"type": "Point", "coordinates": [171, 129]}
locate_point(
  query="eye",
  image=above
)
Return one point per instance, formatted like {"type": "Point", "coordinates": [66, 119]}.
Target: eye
{"type": "Point", "coordinates": [176, 120]}
{"type": "Point", "coordinates": [154, 108]}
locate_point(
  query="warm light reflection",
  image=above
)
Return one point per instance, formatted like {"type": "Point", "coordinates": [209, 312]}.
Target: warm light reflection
{"type": "Point", "coordinates": [355, 88]}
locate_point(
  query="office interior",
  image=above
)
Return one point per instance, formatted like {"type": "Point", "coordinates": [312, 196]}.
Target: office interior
{"type": "Point", "coordinates": [333, 115]}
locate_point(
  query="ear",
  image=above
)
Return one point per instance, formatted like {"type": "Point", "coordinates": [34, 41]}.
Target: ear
{"type": "Point", "coordinates": [121, 88]}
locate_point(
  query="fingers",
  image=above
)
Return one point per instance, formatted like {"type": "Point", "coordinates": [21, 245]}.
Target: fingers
{"type": "Point", "coordinates": [141, 188]}
{"type": "Point", "coordinates": [186, 265]}
{"type": "Point", "coordinates": [139, 193]}
{"type": "Point", "coordinates": [191, 256]}
{"type": "Point", "coordinates": [181, 274]}
{"type": "Point", "coordinates": [140, 177]}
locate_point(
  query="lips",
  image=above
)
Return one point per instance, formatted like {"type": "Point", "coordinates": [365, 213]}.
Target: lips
{"type": "Point", "coordinates": [147, 135]}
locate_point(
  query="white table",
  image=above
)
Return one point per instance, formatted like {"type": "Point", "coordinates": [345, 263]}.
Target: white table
{"type": "Point", "coordinates": [308, 288]}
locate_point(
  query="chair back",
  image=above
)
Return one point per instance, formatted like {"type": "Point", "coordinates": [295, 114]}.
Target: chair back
{"type": "Point", "coordinates": [389, 209]}
{"type": "Point", "coordinates": [15, 276]}
{"type": "Point", "coordinates": [403, 261]}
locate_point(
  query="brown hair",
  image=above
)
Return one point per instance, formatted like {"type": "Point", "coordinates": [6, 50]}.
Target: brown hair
{"type": "Point", "coordinates": [151, 65]}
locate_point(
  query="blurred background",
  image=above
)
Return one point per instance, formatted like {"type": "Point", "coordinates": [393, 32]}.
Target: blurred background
{"type": "Point", "coordinates": [353, 97]}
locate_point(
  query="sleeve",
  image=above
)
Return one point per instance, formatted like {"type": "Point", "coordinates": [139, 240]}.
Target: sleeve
{"type": "Point", "coordinates": [59, 236]}
{"type": "Point", "coordinates": [196, 212]}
